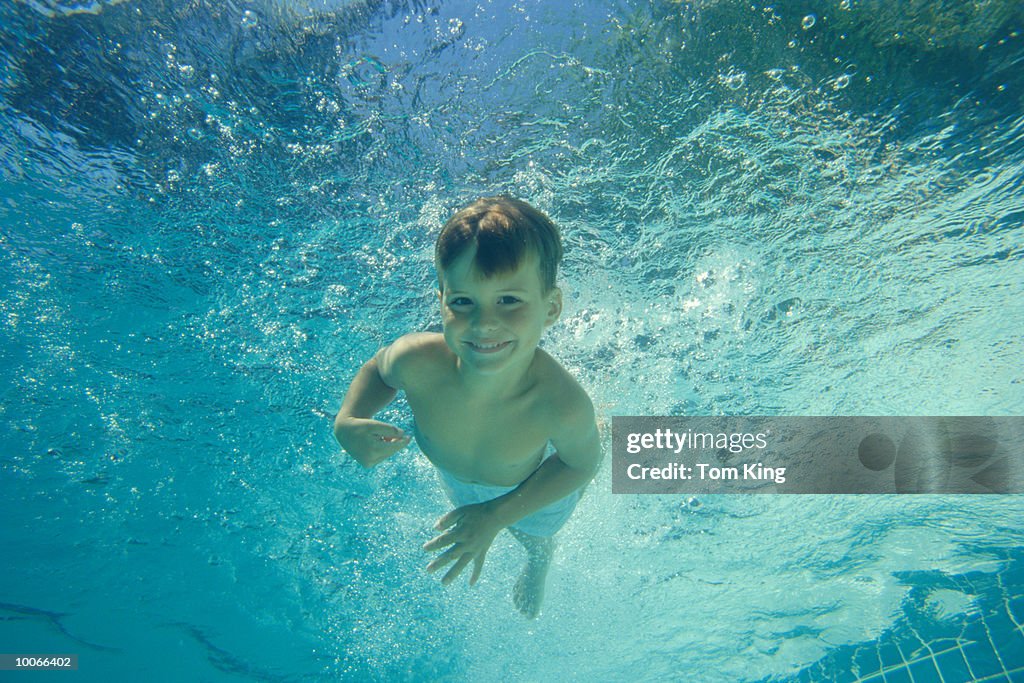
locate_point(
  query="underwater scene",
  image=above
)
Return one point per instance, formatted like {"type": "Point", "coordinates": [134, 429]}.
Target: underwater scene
{"type": "Point", "coordinates": [213, 213]}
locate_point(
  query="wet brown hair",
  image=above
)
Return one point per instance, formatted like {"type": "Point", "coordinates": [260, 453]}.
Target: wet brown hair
{"type": "Point", "coordinates": [504, 231]}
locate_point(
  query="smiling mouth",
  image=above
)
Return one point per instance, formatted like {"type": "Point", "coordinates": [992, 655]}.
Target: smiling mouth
{"type": "Point", "coordinates": [494, 347]}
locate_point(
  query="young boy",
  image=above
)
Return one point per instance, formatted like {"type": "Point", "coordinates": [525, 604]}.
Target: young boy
{"type": "Point", "coordinates": [513, 436]}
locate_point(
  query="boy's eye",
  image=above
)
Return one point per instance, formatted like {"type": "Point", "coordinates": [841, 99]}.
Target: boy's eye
{"type": "Point", "coordinates": [508, 299]}
{"type": "Point", "coordinates": [459, 301]}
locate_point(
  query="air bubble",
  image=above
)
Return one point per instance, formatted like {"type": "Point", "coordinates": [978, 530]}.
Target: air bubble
{"type": "Point", "coordinates": [841, 82]}
{"type": "Point", "coordinates": [734, 81]}
{"type": "Point", "coordinates": [249, 19]}
{"type": "Point", "coordinates": [809, 21]}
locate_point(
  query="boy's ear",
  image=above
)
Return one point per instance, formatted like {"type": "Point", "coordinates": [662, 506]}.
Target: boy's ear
{"type": "Point", "coordinates": [555, 306]}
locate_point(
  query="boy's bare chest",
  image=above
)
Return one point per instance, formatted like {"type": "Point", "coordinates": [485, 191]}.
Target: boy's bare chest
{"type": "Point", "coordinates": [499, 445]}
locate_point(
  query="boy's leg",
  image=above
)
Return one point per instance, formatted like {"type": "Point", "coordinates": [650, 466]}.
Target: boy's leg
{"type": "Point", "coordinates": [529, 589]}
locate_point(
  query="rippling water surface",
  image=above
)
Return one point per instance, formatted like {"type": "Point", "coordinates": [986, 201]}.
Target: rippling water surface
{"type": "Point", "coordinates": [212, 213]}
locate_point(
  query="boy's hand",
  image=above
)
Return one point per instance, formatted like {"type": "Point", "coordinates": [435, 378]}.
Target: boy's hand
{"type": "Point", "coordinates": [470, 531]}
{"type": "Point", "coordinates": [369, 441]}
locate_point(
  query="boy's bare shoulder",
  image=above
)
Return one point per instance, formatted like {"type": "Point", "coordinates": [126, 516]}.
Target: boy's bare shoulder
{"type": "Point", "coordinates": [564, 398]}
{"type": "Point", "coordinates": [416, 343]}
{"type": "Point", "coordinates": [574, 431]}
{"type": "Point", "coordinates": [409, 356]}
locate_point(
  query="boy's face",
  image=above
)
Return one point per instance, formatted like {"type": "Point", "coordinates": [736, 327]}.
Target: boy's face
{"type": "Point", "coordinates": [492, 324]}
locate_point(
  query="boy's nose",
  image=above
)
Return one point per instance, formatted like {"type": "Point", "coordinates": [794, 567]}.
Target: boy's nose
{"type": "Point", "coordinates": [485, 320]}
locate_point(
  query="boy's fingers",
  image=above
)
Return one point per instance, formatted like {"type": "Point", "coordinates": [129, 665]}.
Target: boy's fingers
{"type": "Point", "coordinates": [456, 570]}
{"type": "Point", "coordinates": [443, 559]}
{"type": "Point", "coordinates": [478, 565]}
{"type": "Point", "coordinates": [393, 435]}
{"type": "Point", "coordinates": [439, 542]}
{"type": "Point", "coordinates": [447, 520]}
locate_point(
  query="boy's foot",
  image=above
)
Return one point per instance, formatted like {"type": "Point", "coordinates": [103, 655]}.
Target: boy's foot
{"type": "Point", "coordinates": [528, 592]}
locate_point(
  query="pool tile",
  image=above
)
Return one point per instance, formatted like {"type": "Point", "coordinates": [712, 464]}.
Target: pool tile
{"type": "Point", "coordinates": [1009, 643]}
{"type": "Point", "coordinates": [981, 659]}
{"type": "Point", "coordinates": [897, 674]}
{"type": "Point", "coordinates": [924, 671]}
{"type": "Point", "coordinates": [953, 667]}
{"type": "Point", "coordinates": [1016, 609]}
{"type": "Point", "coordinates": [890, 655]}
{"type": "Point", "coordinates": [867, 659]}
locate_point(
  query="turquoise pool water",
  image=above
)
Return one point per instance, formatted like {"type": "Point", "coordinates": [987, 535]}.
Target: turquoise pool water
{"type": "Point", "coordinates": [211, 214]}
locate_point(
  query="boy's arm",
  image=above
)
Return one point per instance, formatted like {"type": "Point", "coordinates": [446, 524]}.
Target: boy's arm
{"type": "Point", "coordinates": [370, 441]}
{"type": "Point", "coordinates": [370, 391]}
